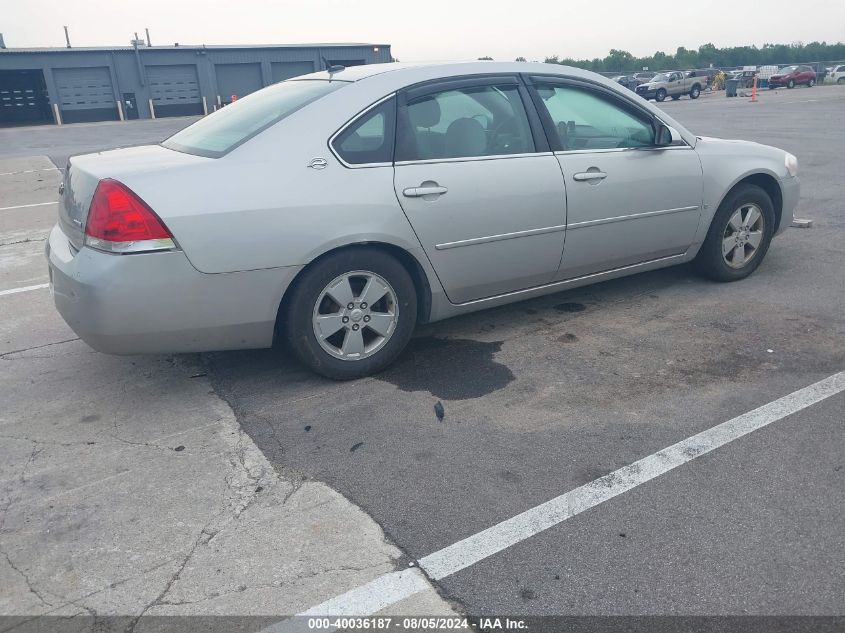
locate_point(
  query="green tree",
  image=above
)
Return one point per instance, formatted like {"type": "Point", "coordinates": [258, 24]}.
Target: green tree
{"type": "Point", "coordinates": [619, 61]}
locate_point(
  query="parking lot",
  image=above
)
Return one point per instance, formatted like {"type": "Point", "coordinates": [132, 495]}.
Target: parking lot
{"type": "Point", "coordinates": [104, 514]}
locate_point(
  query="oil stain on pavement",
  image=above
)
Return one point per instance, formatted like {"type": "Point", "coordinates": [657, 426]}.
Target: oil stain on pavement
{"type": "Point", "coordinates": [450, 369]}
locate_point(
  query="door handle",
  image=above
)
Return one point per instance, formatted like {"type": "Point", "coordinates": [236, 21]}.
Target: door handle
{"type": "Point", "coordinates": [589, 175]}
{"type": "Point", "coordinates": [425, 190]}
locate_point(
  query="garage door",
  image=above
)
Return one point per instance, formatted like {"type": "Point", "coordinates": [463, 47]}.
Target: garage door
{"type": "Point", "coordinates": [85, 94]}
{"type": "Point", "coordinates": [238, 80]}
{"type": "Point", "coordinates": [23, 97]}
{"type": "Point", "coordinates": [175, 90]}
{"type": "Point", "coordinates": [286, 70]}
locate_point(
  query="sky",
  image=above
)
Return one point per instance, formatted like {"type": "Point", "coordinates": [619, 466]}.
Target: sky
{"type": "Point", "coordinates": [431, 29]}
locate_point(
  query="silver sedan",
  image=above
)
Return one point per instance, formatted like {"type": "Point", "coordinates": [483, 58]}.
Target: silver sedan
{"type": "Point", "coordinates": [337, 210]}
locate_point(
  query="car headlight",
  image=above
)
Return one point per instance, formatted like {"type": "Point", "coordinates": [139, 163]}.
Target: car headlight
{"type": "Point", "coordinates": [791, 163]}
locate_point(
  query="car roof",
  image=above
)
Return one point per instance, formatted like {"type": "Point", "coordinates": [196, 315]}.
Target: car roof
{"type": "Point", "coordinates": [411, 72]}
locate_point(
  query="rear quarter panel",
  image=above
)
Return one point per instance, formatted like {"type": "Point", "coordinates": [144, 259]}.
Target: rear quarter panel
{"type": "Point", "coordinates": [262, 206]}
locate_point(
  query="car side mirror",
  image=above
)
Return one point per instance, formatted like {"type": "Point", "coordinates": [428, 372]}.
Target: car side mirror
{"type": "Point", "coordinates": [664, 136]}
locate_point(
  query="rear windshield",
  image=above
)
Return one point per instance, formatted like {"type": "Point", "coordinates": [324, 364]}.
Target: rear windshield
{"type": "Point", "coordinates": [236, 123]}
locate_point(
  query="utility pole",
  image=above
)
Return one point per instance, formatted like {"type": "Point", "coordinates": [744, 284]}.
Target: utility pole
{"type": "Point", "coordinates": [67, 38]}
{"type": "Point", "coordinates": [148, 37]}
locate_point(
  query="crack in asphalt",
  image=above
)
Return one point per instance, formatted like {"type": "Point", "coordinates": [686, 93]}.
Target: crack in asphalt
{"type": "Point", "coordinates": [4, 355]}
{"type": "Point", "coordinates": [24, 241]}
{"type": "Point", "coordinates": [10, 501]}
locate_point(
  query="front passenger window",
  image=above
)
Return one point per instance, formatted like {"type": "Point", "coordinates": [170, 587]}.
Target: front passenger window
{"type": "Point", "coordinates": [586, 120]}
{"type": "Point", "coordinates": [465, 123]}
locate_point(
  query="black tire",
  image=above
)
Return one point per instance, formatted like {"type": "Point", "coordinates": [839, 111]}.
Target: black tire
{"type": "Point", "coordinates": [790, 84]}
{"type": "Point", "coordinates": [660, 95]}
{"type": "Point", "coordinates": [771, 87]}
{"type": "Point", "coordinates": [297, 318]}
{"type": "Point", "coordinates": [841, 81]}
{"type": "Point", "coordinates": [710, 262]}
{"type": "Point", "coordinates": [695, 92]}
{"type": "Point", "coordinates": [811, 83]}
{"type": "Point", "coordinates": [675, 97]}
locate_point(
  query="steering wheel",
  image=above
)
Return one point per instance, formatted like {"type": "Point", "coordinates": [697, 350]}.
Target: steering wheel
{"type": "Point", "coordinates": [496, 131]}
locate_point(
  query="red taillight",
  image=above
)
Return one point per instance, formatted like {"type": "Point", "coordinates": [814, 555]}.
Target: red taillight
{"type": "Point", "coordinates": [118, 220]}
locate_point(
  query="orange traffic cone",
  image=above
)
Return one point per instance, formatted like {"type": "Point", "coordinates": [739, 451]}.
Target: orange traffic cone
{"type": "Point", "coordinates": [754, 91]}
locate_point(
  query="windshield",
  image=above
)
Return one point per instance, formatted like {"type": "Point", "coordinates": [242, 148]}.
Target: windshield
{"type": "Point", "coordinates": [788, 69]}
{"type": "Point", "coordinates": [236, 123]}
{"type": "Point", "coordinates": [660, 77]}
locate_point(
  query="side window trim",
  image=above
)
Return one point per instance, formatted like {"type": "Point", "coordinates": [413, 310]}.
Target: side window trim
{"type": "Point", "coordinates": [541, 141]}
{"type": "Point", "coordinates": [390, 131]}
{"type": "Point", "coordinates": [548, 124]}
{"type": "Point", "coordinates": [411, 93]}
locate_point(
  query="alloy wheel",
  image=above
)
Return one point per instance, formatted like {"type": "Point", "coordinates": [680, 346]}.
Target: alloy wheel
{"type": "Point", "coordinates": [743, 235]}
{"type": "Point", "coordinates": [355, 315]}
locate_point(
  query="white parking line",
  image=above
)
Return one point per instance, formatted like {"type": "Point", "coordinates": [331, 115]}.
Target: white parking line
{"type": "Point", "coordinates": [14, 291]}
{"type": "Point", "coordinates": [29, 171]}
{"type": "Point", "coordinates": [24, 206]}
{"type": "Point", "coordinates": [393, 587]}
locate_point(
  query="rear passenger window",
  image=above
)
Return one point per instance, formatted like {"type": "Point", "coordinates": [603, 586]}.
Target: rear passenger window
{"type": "Point", "coordinates": [369, 139]}
{"type": "Point", "coordinates": [464, 123]}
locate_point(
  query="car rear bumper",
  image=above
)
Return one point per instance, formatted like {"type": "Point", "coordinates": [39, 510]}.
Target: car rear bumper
{"type": "Point", "coordinates": [159, 303]}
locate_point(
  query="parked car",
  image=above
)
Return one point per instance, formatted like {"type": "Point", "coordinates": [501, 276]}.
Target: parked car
{"type": "Point", "coordinates": [629, 81]}
{"type": "Point", "coordinates": [706, 74]}
{"type": "Point", "coordinates": [671, 84]}
{"type": "Point", "coordinates": [791, 76]}
{"type": "Point", "coordinates": [837, 74]}
{"type": "Point", "coordinates": [338, 210]}
{"type": "Point", "coordinates": [644, 76]}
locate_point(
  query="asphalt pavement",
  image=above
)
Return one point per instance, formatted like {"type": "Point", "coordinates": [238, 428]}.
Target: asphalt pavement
{"type": "Point", "coordinates": [547, 395]}
{"type": "Point", "coordinates": [543, 396]}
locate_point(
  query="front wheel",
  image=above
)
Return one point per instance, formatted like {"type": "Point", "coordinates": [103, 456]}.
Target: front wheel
{"type": "Point", "coordinates": [661, 95]}
{"type": "Point", "coordinates": [840, 81]}
{"type": "Point", "coordinates": [790, 84]}
{"type": "Point", "coordinates": [695, 92]}
{"type": "Point", "coordinates": [351, 313]}
{"type": "Point", "coordinates": [739, 235]}
{"type": "Point", "coordinates": [811, 83]}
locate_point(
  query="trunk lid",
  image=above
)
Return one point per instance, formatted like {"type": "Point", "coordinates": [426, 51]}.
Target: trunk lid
{"type": "Point", "coordinates": [83, 172]}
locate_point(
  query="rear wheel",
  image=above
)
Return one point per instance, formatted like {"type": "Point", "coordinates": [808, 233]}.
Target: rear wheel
{"type": "Point", "coordinates": [351, 314]}
{"type": "Point", "coordinates": [841, 81]}
{"type": "Point", "coordinates": [660, 95]}
{"type": "Point", "coordinates": [739, 235]}
{"type": "Point", "coordinates": [695, 92]}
